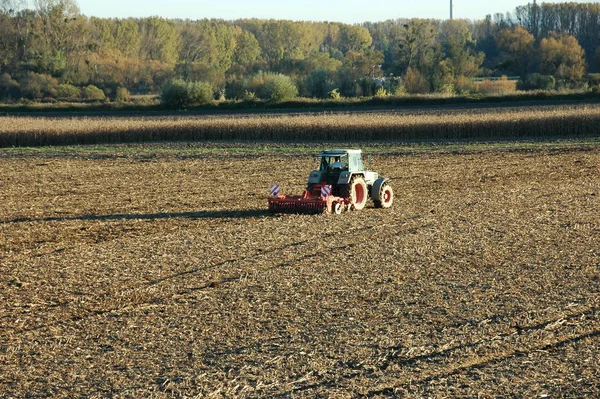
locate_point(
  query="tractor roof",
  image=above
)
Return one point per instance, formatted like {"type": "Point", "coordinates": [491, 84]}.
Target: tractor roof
{"type": "Point", "coordinates": [330, 153]}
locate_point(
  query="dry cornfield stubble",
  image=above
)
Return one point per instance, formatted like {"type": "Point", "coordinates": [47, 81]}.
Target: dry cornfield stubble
{"type": "Point", "coordinates": [544, 121]}
{"type": "Point", "coordinates": [138, 274]}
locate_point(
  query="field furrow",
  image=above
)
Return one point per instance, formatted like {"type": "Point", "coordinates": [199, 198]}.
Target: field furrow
{"type": "Point", "coordinates": [154, 273]}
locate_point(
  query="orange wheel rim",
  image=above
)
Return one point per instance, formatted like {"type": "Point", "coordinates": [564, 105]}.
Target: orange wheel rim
{"type": "Point", "coordinates": [360, 194]}
{"type": "Point", "coordinates": [387, 196]}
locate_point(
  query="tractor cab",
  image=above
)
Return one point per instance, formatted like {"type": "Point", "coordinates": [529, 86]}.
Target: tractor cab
{"type": "Point", "coordinates": [350, 160]}
{"type": "Point", "coordinates": [334, 163]}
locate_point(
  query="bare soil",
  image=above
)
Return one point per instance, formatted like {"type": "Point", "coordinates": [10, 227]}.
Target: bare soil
{"type": "Point", "coordinates": [157, 274]}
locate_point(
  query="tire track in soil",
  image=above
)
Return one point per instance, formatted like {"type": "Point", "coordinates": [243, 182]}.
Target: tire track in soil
{"type": "Point", "coordinates": [160, 300]}
{"type": "Point", "coordinates": [454, 366]}
{"type": "Point", "coordinates": [574, 320]}
{"type": "Point", "coordinates": [479, 363]}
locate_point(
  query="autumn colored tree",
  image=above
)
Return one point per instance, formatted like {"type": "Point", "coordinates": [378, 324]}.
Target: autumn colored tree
{"type": "Point", "coordinates": [53, 45]}
{"type": "Point", "coordinates": [516, 47]}
{"type": "Point", "coordinates": [415, 82]}
{"type": "Point", "coordinates": [563, 57]}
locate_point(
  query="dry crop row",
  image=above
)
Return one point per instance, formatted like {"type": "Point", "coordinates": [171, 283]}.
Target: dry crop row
{"type": "Point", "coordinates": [450, 124]}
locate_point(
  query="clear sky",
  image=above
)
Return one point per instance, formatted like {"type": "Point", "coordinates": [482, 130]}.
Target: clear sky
{"type": "Point", "coordinates": [348, 11]}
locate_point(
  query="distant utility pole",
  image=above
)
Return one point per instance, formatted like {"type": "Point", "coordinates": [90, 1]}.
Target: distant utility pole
{"type": "Point", "coordinates": [451, 10]}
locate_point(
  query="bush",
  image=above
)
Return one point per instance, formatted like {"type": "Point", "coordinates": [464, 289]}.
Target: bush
{"type": "Point", "coordinates": [463, 85]}
{"type": "Point", "coordinates": [500, 86]}
{"type": "Point", "coordinates": [415, 82]}
{"type": "Point", "coordinates": [249, 96]}
{"type": "Point", "coordinates": [36, 86]}
{"type": "Point", "coordinates": [535, 81]}
{"type": "Point", "coordinates": [68, 92]}
{"type": "Point", "coordinates": [278, 88]}
{"type": "Point", "coordinates": [381, 92]}
{"type": "Point", "coordinates": [9, 88]}
{"type": "Point", "coordinates": [594, 78]}
{"type": "Point", "coordinates": [91, 92]}
{"type": "Point", "coordinates": [123, 95]}
{"type": "Point", "coordinates": [179, 94]}
{"type": "Point", "coordinates": [334, 94]}
{"type": "Point", "coordinates": [320, 83]}
{"type": "Point", "coordinates": [235, 89]}
{"type": "Point", "coordinates": [200, 93]}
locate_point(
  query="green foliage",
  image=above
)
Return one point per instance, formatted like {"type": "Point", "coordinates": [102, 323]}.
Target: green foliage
{"type": "Point", "coordinates": [142, 55]}
{"type": "Point", "coordinates": [536, 81]}
{"type": "Point", "coordinates": [93, 93]}
{"type": "Point", "coordinates": [122, 95]}
{"type": "Point", "coordinates": [35, 86]}
{"type": "Point", "coordinates": [334, 94]}
{"type": "Point", "coordinates": [159, 40]}
{"type": "Point", "coordinates": [278, 88]}
{"type": "Point", "coordinates": [116, 36]}
{"type": "Point", "coordinates": [68, 92]}
{"type": "Point", "coordinates": [180, 94]}
{"type": "Point", "coordinates": [235, 88]}
{"type": "Point", "coordinates": [381, 92]}
{"type": "Point", "coordinates": [200, 71]}
{"type": "Point", "coordinates": [460, 59]}
{"type": "Point", "coordinates": [249, 96]}
{"type": "Point", "coordinates": [247, 49]}
{"type": "Point", "coordinates": [415, 43]}
{"type": "Point", "coordinates": [200, 93]}
{"type": "Point", "coordinates": [516, 46]}
{"type": "Point", "coordinates": [9, 88]}
{"type": "Point", "coordinates": [354, 38]}
{"type": "Point", "coordinates": [320, 83]}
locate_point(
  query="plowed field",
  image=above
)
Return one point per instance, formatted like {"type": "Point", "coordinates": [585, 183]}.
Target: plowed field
{"type": "Point", "coordinates": [151, 273]}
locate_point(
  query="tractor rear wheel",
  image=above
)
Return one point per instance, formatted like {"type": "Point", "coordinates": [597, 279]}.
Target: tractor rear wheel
{"type": "Point", "coordinates": [386, 197]}
{"type": "Point", "coordinates": [357, 191]}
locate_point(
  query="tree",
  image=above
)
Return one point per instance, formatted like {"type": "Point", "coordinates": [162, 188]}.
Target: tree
{"type": "Point", "coordinates": [59, 35]}
{"type": "Point", "coordinates": [516, 46]}
{"type": "Point", "coordinates": [563, 57]}
{"type": "Point", "coordinates": [67, 8]}
{"type": "Point", "coordinates": [415, 40]}
{"type": "Point", "coordinates": [247, 49]}
{"type": "Point", "coordinates": [8, 40]}
{"type": "Point", "coordinates": [354, 38]}
{"type": "Point", "coordinates": [159, 40]}
{"type": "Point", "coordinates": [460, 58]}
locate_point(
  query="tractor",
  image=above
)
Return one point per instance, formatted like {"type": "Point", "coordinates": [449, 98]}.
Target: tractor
{"type": "Point", "coordinates": [341, 183]}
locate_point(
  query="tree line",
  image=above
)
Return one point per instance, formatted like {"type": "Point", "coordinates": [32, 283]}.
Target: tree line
{"type": "Point", "coordinates": [53, 51]}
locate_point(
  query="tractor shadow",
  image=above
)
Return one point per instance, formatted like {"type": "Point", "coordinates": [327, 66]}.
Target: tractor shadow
{"type": "Point", "coordinates": [216, 214]}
